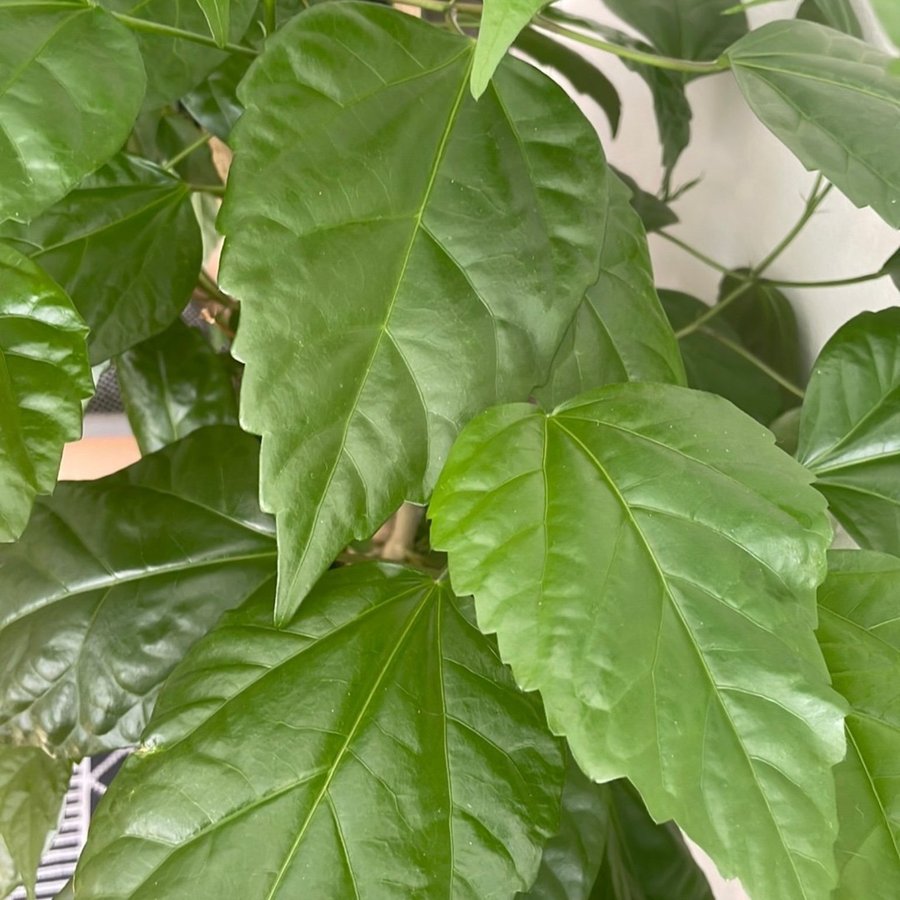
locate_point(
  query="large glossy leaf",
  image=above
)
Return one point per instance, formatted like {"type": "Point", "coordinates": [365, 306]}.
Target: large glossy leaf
{"type": "Point", "coordinates": [127, 247]}
{"type": "Point", "coordinates": [44, 377]}
{"type": "Point", "coordinates": [649, 561]}
{"type": "Point", "coordinates": [174, 384]}
{"type": "Point", "coordinates": [831, 99]}
{"type": "Point", "coordinates": [684, 29]}
{"type": "Point", "coordinates": [837, 14]}
{"type": "Point", "coordinates": [115, 579]}
{"type": "Point", "coordinates": [860, 637]}
{"type": "Point", "coordinates": [850, 428]}
{"type": "Point", "coordinates": [501, 22]}
{"type": "Point", "coordinates": [578, 71]}
{"type": "Point", "coordinates": [374, 747]}
{"type": "Point", "coordinates": [714, 360]}
{"type": "Point", "coordinates": [71, 84]}
{"type": "Point", "coordinates": [608, 848]}
{"type": "Point", "coordinates": [620, 332]}
{"type": "Point", "coordinates": [174, 65]}
{"type": "Point", "coordinates": [440, 248]}
{"type": "Point", "coordinates": [32, 787]}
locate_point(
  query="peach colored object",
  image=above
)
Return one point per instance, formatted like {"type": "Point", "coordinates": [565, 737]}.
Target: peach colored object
{"type": "Point", "coordinates": [94, 457]}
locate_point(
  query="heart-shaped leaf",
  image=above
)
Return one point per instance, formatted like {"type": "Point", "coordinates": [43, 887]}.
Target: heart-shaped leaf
{"type": "Point", "coordinates": [44, 377]}
{"type": "Point", "coordinates": [620, 332]}
{"type": "Point", "coordinates": [115, 579]}
{"type": "Point", "coordinates": [831, 99]}
{"type": "Point", "coordinates": [860, 637]}
{"type": "Point", "coordinates": [71, 85]}
{"type": "Point", "coordinates": [127, 247]}
{"type": "Point", "coordinates": [648, 560]}
{"type": "Point", "coordinates": [374, 746]}
{"type": "Point", "coordinates": [441, 248]}
{"type": "Point", "coordinates": [32, 787]}
{"type": "Point", "coordinates": [850, 428]}
{"type": "Point", "coordinates": [174, 384]}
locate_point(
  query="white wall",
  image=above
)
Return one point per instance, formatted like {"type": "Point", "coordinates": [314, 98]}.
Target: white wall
{"type": "Point", "coordinates": [752, 192]}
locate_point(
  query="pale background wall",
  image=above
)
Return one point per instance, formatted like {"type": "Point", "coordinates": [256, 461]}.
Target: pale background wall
{"type": "Point", "coordinates": [752, 192]}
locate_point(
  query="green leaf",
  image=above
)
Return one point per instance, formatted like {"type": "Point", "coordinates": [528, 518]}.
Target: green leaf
{"type": "Point", "coordinates": [214, 103]}
{"type": "Point", "coordinates": [44, 377]}
{"type": "Point", "coordinates": [218, 16]}
{"type": "Point", "coordinates": [889, 15]}
{"type": "Point", "coordinates": [501, 22]}
{"type": "Point", "coordinates": [579, 72]}
{"type": "Point", "coordinates": [786, 429]}
{"type": "Point", "coordinates": [860, 638]}
{"type": "Point", "coordinates": [477, 224]}
{"type": "Point", "coordinates": [400, 759]}
{"type": "Point", "coordinates": [608, 848]}
{"type": "Point", "coordinates": [654, 213]}
{"type": "Point", "coordinates": [126, 246]}
{"type": "Point", "coordinates": [714, 362]}
{"type": "Point", "coordinates": [71, 84]}
{"type": "Point", "coordinates": [766, 323]}
{"type": "Point", "coordinates": [649, 562]}
{"type": "Point", "coordinates": [837, 14]}
{"type": "Point", "coordinates": [892, 268]}
{"type": "Point", "coordinates": [831, 100]}
{"type": "Point", "coordinates": [684, 29]}
{"type": "Point", "coordinates": [174, 384]}
{"type": "Point", "coordinates": [160, 135]}
{"type": "Point", "coordinates": [174, 65]}
{"type": "Point", "coordinates": [32, 788]}
{"type": "Point", "coordinates": [115, 579]}
{"type": "Point", "coordinates": [620, 332]}
{"type": "Point", "coordinates": [850, 428]}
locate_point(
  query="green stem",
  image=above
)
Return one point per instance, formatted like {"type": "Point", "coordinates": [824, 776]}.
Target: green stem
{"type": "Point", "coordinates": [209, 285]}
{"type": "Point", "coordinates": [187, 151]}
{"type": "Point", "coordinates": [630, 53]}
{"type": "Point", "coordinates": [716, 310]}
{"type": "Point", "coordinates": [269, 19]}
{"type": "Point", "coordinates": [835, 282]}
{"type": "Point", "coordinates": [148, 27]}
{"type": "Point", "coordinates": [217, 190]}
{"type": "Point", "coordinates": [756, 361]}
{"type": "Point", "coordinates": [442, 6]}
{"type": "Point", "coordinates": [694, 252]}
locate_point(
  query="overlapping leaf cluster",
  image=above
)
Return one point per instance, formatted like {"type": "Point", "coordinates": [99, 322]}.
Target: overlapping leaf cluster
{"type": "Point", "coordinates": [434, 289]}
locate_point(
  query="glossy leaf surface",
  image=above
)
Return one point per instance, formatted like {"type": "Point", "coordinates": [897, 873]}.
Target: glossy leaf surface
{"type": "Point", "coordinates": [837, 14]}
{"type": "Point", "coordinates": [115, 579]}
{"type": "Point", "coordinates": [860, 637]}
{"type": "Point", "coordinates": [44, 376]}
{"type": "Point", "coordinates": [431, 289]}
{"type": "Point", "coordinates": [649, 562]}
{"type": "Point", "coordinates": [400, 760]}
{"type": "Point", "coordinates": [850, 428]}
{"type": "Point", "coordinates": [61, 117]}
{"type": "Point", "coordinates": [501, 22]}
{"type": "Point", "coordinates": [214, 103]}
{"type": "Point", "coordinates": [32, 787]}
{"type": "Point", "coordinates": [620, 332]}
{"type": "Point", "coordinates": [174, 384]}
{"type": "Point", "coordinates": [126, 246]}
{"type": "Point", "coordinates": [174, 65]}
{"type": "Point", "coordinates": [831, 99]}
{"type": "Point", "coordinates": [714, 362]}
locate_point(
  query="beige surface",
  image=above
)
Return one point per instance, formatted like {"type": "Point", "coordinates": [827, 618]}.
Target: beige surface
{"type": "Point", "coordinates": [94, 457]}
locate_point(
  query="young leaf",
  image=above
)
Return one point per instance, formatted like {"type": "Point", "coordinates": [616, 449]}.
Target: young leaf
{"type": "Point", "coordinates": [850, 428]}
{"type": "Point", "coordinates": [620, 332]}
{"type": "Point", "coordinates": [115, 579]}
{"type": "Point", "coordinates": [654, 213]}
{"type": "Point", "coordinates": [174, 66]}
{"type": "Point", "coordinates": [174, 384]}
{"type": "Point", "coordinates": [501, 22]}
{"type": "Point", "coordinates": [401, 760]}
{"type": "Point", "coordinates": [579, 72]}
{"type": "Point", "coordinates": [440, 262]}
{"type": "Point", "coordinates": [714, 362]}
{"type": "Point", "coordinates": [684, 29]}
{"type": "Point", "coordinates": [859, 635]}
{"type": "Point", "coordinates": [63, 112]}
{"type": "Point", "coordinates": [127, 247]}
{"type": "Point", "coordinates": [649, 562]}
{"type": "Point", "coordinates": [218, 16]}
{"type": "Point", "coordinates": [829, 98]}
{"type": "Point", "coordinates": [32, 787]}
{"type": "Point", "coordinates": [608, 848]}
{"type": "Point", "coordinates": [837, 14]}
{"type": "Point", "coordinates": [44, 377]}
{"type": "Point", "coordinates": [214, 103]}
